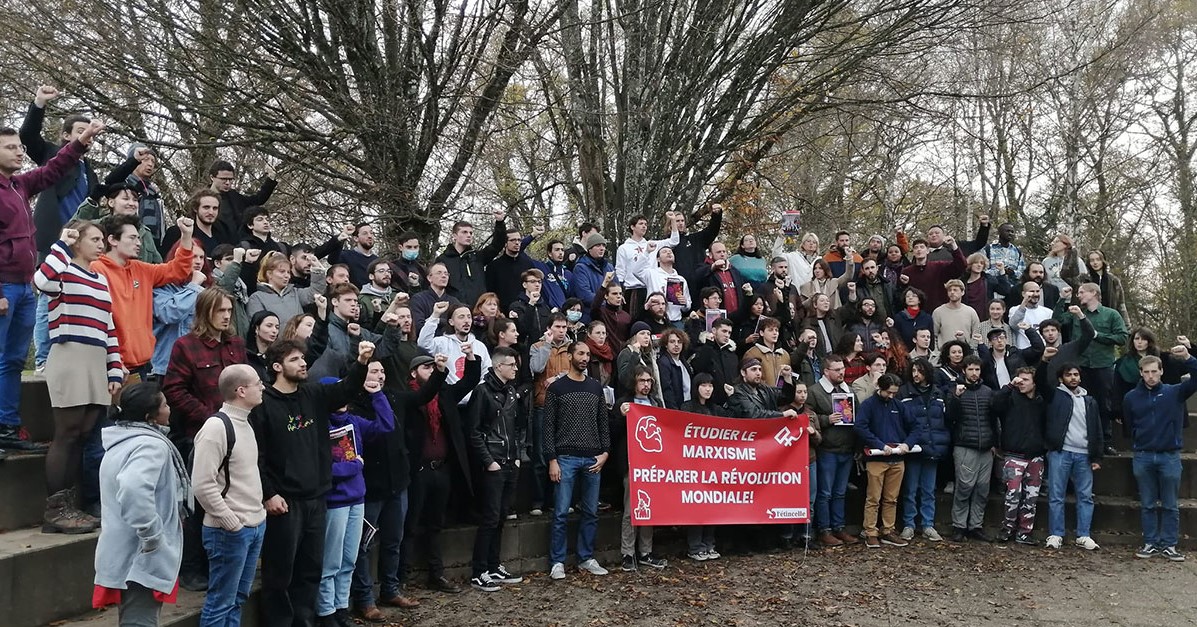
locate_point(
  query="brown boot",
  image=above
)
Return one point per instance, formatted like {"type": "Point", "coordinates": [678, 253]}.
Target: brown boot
{"type": "Point", "coordinates": [829, 539]}
{"type": "Point", "coordinates": [62, 517]}
{"type": "Point", "coordinates": [73, 499]}
{"type": "Point", "coordinates": [846, 537]}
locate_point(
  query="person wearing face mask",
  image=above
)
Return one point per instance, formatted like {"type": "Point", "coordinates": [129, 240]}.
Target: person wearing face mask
{"type": "Point", "coordinates": [146, 494]}
{"type": "Point", "coordinates": [572, 308]}
{"type": "Point", "coordinates": [83, 372]}
{"type": "Point", "coordinates": [406, 270]}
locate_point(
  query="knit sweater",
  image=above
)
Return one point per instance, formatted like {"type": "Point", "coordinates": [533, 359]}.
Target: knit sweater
{"type": "Point", "coordinates": [575, 419]}
{"type": "Point", "coordinates": [80, 306]}
{"type": "Point", "coordinates": [243, 503]}
{"type": "Point", "coordinates": [948, 320]}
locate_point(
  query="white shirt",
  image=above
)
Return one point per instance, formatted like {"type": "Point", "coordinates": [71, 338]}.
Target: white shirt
{"type": "Point", "coordinates": [633, 257]}
{"type": "Point", "coordinates": [1032, 316]}
{"type": "Point", "coordinates": [657, 280]}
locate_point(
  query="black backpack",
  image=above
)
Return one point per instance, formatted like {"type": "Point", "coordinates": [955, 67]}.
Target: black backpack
{"type": "Point", "coordinates": [230, 437]}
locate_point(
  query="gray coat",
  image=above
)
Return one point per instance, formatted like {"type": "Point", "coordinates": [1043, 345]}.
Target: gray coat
{"type": "Point", "coordinates": [286, 304]}
{"type": "Point", "coordinates": [141, 537]}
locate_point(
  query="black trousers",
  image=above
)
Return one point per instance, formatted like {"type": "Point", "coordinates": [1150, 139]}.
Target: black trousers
{"type": "Point", "coordinates": [427, 502]}
{"type": "Point", "coordinates": [292, 558]}
{"type": "Point", "coordinates": [496, 490]}
{"type": "Point", "coordinates": [1100, 384]}
{"type": "Point", "coordinates": [195, 558]}
{"type": "Point", "coordinates": [633, 300]}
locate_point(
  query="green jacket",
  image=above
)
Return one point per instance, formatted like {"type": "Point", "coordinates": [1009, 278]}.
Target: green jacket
{"type": "Point", "coordinates": [90, 211]}
{"type": "Point", "coordinates": [1109, 326]}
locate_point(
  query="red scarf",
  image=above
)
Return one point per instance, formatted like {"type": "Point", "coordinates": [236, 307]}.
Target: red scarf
{"type": "Point", "coordinates": [434, 412]}
{"type": "Point", "coordinates": [913, 312]}
{"type": "Point", "coordinates": [603, 353]}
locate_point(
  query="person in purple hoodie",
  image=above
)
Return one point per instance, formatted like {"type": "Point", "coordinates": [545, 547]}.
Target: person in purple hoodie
{"type": "Point", "coordinates": [347, 501]}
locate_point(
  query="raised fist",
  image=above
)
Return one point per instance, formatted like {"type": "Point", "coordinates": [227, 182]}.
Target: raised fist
{"type": "Point", "coordinates": [69, 236]}
{"type": "Point", "coordinates": [1074, 310]}
{"type": "Point", "coordinates": [95, 128]}
{"type": "Point", "coordinates": [198, 277]}
{"type": "Point", "coordinates": [372, 386]}
{"type": "Point", "coordinates": [1050, 352]}
{"type": "Point", "coordinates": [499, 215]}
{"type": "Point", "coordinates": [984, 218]}
{"type": "Point", "coordinates": [959, 389]}
{"type": "Point", "coordinates": [467, 349]}
{"type": "Point", "coordinates": [441, 361]}
{"type": "Point", "coordinates": [365, 350]}
{"type": "Point", "coordinates": [238, 254]}
{"type": "Point", "coordinates": [354, 329]}
{"type": "Point", "coordinates": [950, 242]}
{"type": "Point", "coordinates": [321, 301]}
{"type": "Point", "coordinates": [390, 318]}
{"type": "Point", "coordinates": [716, 208]}
{"type": "Point", "coordinates": [346, 232]}
{"type": "Point", "coordinates": [440, 308]}
{"type": "Point", "coordinates": [607, 278]}
{"type": "Point", "coordinates": [186, 227]}
{"type": "Point", "coordinates": [904, 278]}
{"type": "Point", "coordinates": [538, 230]}
{"type": "Point", "coordinates": [253, 255]}
{"type": "Point", "coordinates": [44, 95]}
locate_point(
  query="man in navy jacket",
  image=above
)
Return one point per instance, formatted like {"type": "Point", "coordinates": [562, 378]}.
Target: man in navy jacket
{"type": "Point", "coordinates": [1154, 412]}
{"type": "Point", "coordinates": [1074, 450]}
{"type": "Point", "coordinates": [884, 424]}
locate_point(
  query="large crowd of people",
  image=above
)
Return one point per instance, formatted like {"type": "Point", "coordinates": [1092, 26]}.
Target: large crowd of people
{"type": "Point", "coordinates": [303, 404]}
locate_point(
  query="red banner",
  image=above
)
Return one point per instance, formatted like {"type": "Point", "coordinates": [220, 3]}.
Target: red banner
{"type": "Point", "coordinates": [690, 469]}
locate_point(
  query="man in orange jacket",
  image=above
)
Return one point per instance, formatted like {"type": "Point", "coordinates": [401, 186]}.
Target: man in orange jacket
{"type": "Point", "coordinates": [132, 284]}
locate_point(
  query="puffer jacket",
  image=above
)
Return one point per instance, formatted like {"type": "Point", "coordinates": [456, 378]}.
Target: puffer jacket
{"type": "Point", "coordinates": [972, 424]}
{"type": "Point", "coordinates": [496, 424]}
{"type": "Point", "coordinates": [927, 407]}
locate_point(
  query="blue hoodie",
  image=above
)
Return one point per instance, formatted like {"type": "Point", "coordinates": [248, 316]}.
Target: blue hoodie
{"type": "Point", "coordinates": [1155, 416]}
{"type": "Point", "coordinates": [348, 484]}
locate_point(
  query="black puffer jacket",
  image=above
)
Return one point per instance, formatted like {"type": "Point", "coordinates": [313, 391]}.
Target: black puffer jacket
{"type": "Point", "coordinates": [1021, 421]}
{"type": "Point", "coordinates": [496, 426]}
{"type": "Point", "coordinates": [928, 408]}
{"type": "Point", "coordinates": [972, 424]}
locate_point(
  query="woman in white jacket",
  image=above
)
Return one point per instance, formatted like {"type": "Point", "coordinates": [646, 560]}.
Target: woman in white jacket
{"type": "Point", "coordinates": [802, 261]}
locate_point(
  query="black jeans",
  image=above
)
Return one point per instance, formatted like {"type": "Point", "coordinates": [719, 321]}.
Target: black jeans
{"type": "Point", "coordinates": [292, 557]}
{"type": "Point", "coordinates": [1100, 384]}
{"type": "Point", "coordinates": [496, 490]}
{"type": "Point", "coordinates": [428, 500]}
{"type": "Point", "coordinates": [195, 558]}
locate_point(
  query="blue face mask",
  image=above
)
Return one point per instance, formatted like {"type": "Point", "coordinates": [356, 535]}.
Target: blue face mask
{"type": "Point", "coordinates": [410, 255]}
{"type": "Point", "coordinates": [573, 316]}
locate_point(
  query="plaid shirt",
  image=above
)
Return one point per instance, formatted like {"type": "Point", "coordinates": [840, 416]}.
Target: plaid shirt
{"type": "Point", "coordinates": [191, 377]}
{"type": "Point", "coordinates": [1010, 256]}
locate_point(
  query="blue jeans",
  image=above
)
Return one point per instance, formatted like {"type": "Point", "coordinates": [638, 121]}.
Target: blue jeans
{"type": "Point", "coordinates": [833, 485]}
{"type": "Point", "coordinates": [388, 517]}
{"type": "Point", "coordinates": [1063, 466]}
{"type": "Point", "coordinates": [41, 331]}
{"type": "Point", "coordinates": [232, 562]}
{"type": "Point", "coordinates": [342, 541]}
{"type": "Point", "coordinates": [575, 469]}
{"type": "Point", "coordinates": [918, 491]}
{"type": "Point", "coordinates": [1158, 476]}
{"type": "Point", "coordinates": [16, 331]}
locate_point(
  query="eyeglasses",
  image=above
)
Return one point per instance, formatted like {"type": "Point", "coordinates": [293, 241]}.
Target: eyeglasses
{"type": "Point", "coordinates": [508, 364]}
{"type": "Point", "coordinates": [644, 380]}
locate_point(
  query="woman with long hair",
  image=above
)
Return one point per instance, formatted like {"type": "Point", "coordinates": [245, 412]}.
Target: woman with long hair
{"type": "Point", "coordinates": [951, 370]}
{"type": "Point", "coordinates": [174, 307]}
{"type": "Point", "coordinates": [83, 370]}
{"type": "Point", "coordinates": [299, 327]}
{"type": "Point", "coordinates": [275, 291]}
{"type": "Point", "coordinates": [925, 404]}
{"type": "Point", "coordinates": [1098, 271]}
{"type": "Point", "coordinates": [145, 494]}
{"type": "Point", "coordinates": [750, 262]}
{"type": "Point", "coordinates": [913, 316]}
{"type": "Point", "coordinates": [822, 282]}
{"type": "Point", "coordinates": [263, 331]}
{"type": "Point", "coordinates": [980, 287]}
{"type": "Point", "coordinates": [851, 348]}
{"type": "Point", "coordinates": [1062, 265]}
{"type": "Point", "coordinates": [486, 309]}
{"type": "Point", "coordinates": [747, 321]}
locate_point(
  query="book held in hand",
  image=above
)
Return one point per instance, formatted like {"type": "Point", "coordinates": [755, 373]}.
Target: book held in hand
{"type": "Point", "coordinates": [845, 405]}
{"type": "Point", "coordinates": [343, 448]}
{"type": "Point", "coordinates": [673, 292]}
{"type": "Point", "coordinates": [712, 315]}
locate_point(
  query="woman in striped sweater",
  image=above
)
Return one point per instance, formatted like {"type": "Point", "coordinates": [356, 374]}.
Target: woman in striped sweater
{"type": "Point", "coordinates": [83, 371]}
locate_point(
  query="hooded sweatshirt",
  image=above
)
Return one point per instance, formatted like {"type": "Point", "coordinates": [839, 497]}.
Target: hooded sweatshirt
{"type": "Point", "coordinates": [294, 455]}
{"type": "Point", "coordinates": [132, 286]}
{"type": "Point", "coordinates": [141, 484]}
{"type": "Point", "coordinates": [285, 304]}
{"type": "Point", "coordinates": [348, 483]}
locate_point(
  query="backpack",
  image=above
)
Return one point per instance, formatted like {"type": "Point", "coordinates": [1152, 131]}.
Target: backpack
{"type": "Point", "coordinates": [230, 437]}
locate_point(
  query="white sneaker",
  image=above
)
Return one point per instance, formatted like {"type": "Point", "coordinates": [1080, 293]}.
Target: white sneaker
{"type": "Point", "coordinates": [1087, 543]}
{"type": "Point", "coordinates": [592, 566]}
{"type": "Point", "coordinates": [931, 535]}
{"type": "Point", "coordinates": [713, 554]}
{"type": "Point", "coordinates": [1054, 542]}
{"type": "Point", "coordinates": [907, 533]}
{"type": "Point", "coordinates": [558, 571]}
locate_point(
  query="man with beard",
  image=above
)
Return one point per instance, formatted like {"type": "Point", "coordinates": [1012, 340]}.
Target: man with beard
{"type": "Point", "coordinates": [511, 263]}
{"type": "Point", "coordinates": [360, 258]}
{"type": "Point", "coordinates": [295, 459]}
{"type": "Point", "coordinates": [458, 344]}
{"type": "Point", "coordinates": [203, 207]}
{"type": "Point", "coordinates": [233, 203]}
{"type": "Point", "coordinates": [138, 170]}
{"type": "Point", "coordinates": [691, 248]}
{"type": "Point", "coordinates": [1097, 360]}
{"type": "Point", "coordinates": [722, 275]}
{"type": "Point", "coordinates": [871, 284]}
{"type": "Point", "coordinates": [376, 294]}
{"type": "Point", "coordinates": [467, 265]}
{"type": "Point", "coordinates": [837, 257]}
{"type": "Point", "coordinates": [1030, 311]}
{"type": "Point", "coordinates": [1035, 272]}
{"type": "Point", "coordinates": [782, 299]}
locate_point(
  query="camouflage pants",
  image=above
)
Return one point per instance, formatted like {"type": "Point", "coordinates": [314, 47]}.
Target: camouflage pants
{"type": "Point", "coordinates": [1022, 477]}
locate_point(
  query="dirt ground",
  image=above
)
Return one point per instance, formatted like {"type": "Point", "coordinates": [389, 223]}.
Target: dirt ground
{"type": "Point", "coordinates": [923, 584]}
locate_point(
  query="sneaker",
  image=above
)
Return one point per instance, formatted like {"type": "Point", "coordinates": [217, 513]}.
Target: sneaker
{"type": "Point", "coordinates": [872, 542]}
{"type": "Point", "coordinates": [557, 572]}
{"type": "Point", "coordinates": [536, 511]}
{"type": "Point", "coordinates": [1027, 539]}
{"type": "Point", "coordinates": [17, 439]}
{"type": "Point", "coordinates": [907, 533]}
{"type": "Point", "coordinates": [653, 561]}
{"type": "Point", "coordinates": [592, 566]}
{"type": "Point", "coordinates": [40, 368]}
{"type": "Point", "coordinates": [893, 540]}
{"type": "Point", "coordinates": [950, 488]}
{"type": "Point", "coordinates": [502, 575]}
{"type": "Point", "coordinates": [1087, 543]}
{"type": "Point", "coordinates": [628, 564]}
{"type": "Point", "coordinates": [484, 583]}
{"type": "Point", "coordinates": [1004, 536]}
{"type": "Point", "coordinates": [512, 516]}
{"type": "Point", "coordinates": [1055, 542]}
{"type": "Point", "coordinates": [713, 554]}
{"type": "Point", "coordinates": [698, 556]}
{"type": "Point", "coordinates": [1172, 554]}
{"type": "Point", "coordinates": [931, 535]}
{"type": "Point", "coordinates": [1147, 551]}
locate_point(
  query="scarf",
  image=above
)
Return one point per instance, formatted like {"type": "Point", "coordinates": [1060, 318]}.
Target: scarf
{"type": "Point", "coordinates": [183, 494]}
{"type": "Point", "coordinates": [434, 412]}
{"type": "Point", "coordinates": [913, 312]}
{"type": "Point", "coordinates": [603, 352]}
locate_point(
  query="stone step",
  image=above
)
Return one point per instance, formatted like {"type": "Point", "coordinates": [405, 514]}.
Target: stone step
{"type": "Point", "coordinates": [1117, 477]}
{"type": "Point", "coordinates": [184, 613]}
{"type": "Point", "coordinates": [22, 490]}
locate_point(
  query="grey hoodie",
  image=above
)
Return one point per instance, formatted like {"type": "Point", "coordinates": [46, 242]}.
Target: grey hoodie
{"type": "Point", "coordinates": [140, 488]}
{"type": "Point", "coordinates": [286, 304]}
